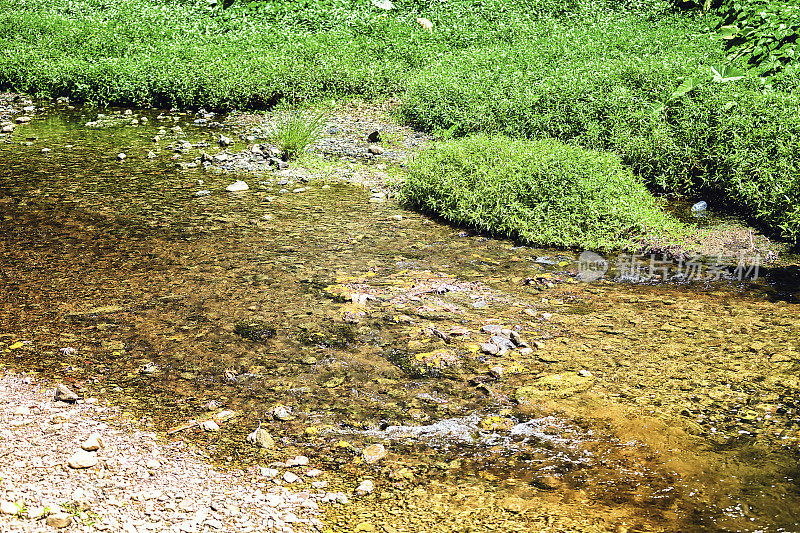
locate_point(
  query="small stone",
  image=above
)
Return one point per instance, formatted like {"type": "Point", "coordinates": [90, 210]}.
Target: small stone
{"type": "Point", "coordinates": [365, 487]}
{"type": "Point", "coordinates": [584, 373]}
{"type": "Point", "coordinates": [281, 412]}
{"type": "Point", "coordinates": [375, 149]}
{"type": "Point", "coordinates": [223, 140]}
{"type": "Point", "coordinates": [489, 348]}
{"type": "Point", "coordinates": [22, 411]}
{"type": "Point", "coordinates": [8, 128]}
{"type": "Point", "coordinates": [82, 459]}
{"type": "Point", "coordinates": [269, 473]}
{"type": "Point", "coordinates": [237, 186]}
{"type": "Point", "coordinates": [491, 329]}
{"type": "Point", "coordinates": [374, 453]}
{"type": "Point", "coordinates": [261, 438]}
{"type": "Point", "coordinates": [23, 120]}
{"type": "Point", "coordinates": [152, 464]}
{"type": "Point", "coordinates": [319, 485]}
{"type": "Point", "coordinates": [187, 504]}
{"type": "Point", "coordinates": [63, 394]}
{"type": "Point", "coordinates": [121, 156]}
{"type": "Point", "coordinates": [300, 460]}
{"type": "Point", "coordinates": [209, 425]}
{"type": "Point", "coordinates": [397, 217]}
{"type": "Point", "coordinates": [313, 473]}
{"type": "Point", "coordinates": [45, 150]}
{"type": "Point", "coordinates": [365, 527]}
{"type": "Point", "coordinates": [59, 520]}
{"type": "Point", "coordinates": [374, 137]}
{"type": "Point", "coordinates": [151, 155]}
{"type": "Point", "coordinates": [93, 443]}
{"type": "Point", "coordinates": [289, 477]}
{"type": "Point", "coordinates": [204, 192]}
{"type": "Point", "coordinates": [8, 508]}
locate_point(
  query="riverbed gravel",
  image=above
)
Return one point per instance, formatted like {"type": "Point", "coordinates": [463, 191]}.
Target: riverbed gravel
{"type": "Point", "coordinates": [82, 467]}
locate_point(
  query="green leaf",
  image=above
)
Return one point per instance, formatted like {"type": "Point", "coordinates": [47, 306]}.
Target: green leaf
{"type": "Point", "coordinates": [726, 73]}
{"type": "Point", "coordinates": [728, 32]}
{"type": "Point", "coordinates": [686, 86]}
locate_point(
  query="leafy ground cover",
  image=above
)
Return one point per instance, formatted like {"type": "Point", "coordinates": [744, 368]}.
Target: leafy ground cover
{"type": "Point", "coordinates": [587, 73]}
{"type": "Point", "coordinates": [540, 192]}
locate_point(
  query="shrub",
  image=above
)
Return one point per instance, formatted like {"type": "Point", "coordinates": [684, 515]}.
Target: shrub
{"type": "Point", "coordinates": [539, 192]}
{"type": "Point", "coordinates": [737, 143]}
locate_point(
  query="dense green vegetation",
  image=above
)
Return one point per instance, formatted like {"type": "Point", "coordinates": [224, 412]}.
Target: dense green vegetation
{"type": "Point", "coordinates": [599, 74]}
{"type": "Point", "coordinates": [540, 192]}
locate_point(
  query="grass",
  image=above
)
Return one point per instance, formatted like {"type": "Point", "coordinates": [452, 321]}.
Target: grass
{"type": "Point", "coordinates": [541, 192]}
{"type": "Point", "coordinates": [586, 72]}
{"type": "Point", "coordinates": [294, 131]}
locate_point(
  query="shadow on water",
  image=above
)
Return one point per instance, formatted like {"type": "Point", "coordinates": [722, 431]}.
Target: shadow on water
{"type": "Point", "coordinates": [652, 404]}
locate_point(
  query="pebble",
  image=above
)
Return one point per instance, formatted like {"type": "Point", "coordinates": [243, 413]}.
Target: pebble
{"type": "Point", "coordinates": [374, 453]}
{"type": "Point", "coordinates": [375, 149]}
{"type": "Point", "coordinates": [209, 425]}
{"type": "Point", "coordinates": [365, 487]}
{"type": "Point", "coordinates": [300, 460]}
{"type": "Point", "coordinates": [289, 477]}
{"type": "Point", "coordinates": [269, 473]}
{"type": "Point", "coordinates": [93, 443]}
{"type": "Point", "coordinates": [59, 520]}
{"type": "Point", "coordinates": [261, 438]}
{"type": "Point", "coordinates": [23, 120]}
{"type": "Point", "coordinates": [204, 192]}
{"type": "Point", "coordinates": [9, 508]}
{"type": "Point", "coordinates": [490, 348]}
{"type": "Point", "coordinates": [121, 156]}
{"type": "Point", "coordinates": [63, 394]}
{"type": "Point", "coordinates": [82, 459]}
{"type": "Point", "coordinates": [237, 186]}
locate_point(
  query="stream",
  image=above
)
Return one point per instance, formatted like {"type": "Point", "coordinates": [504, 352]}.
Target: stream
{"type": "Point", "coordinates": [626, 401]}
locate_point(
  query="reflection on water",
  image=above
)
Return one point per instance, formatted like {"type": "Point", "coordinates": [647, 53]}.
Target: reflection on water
{"type": "Point", "coordinates": [690, 422]}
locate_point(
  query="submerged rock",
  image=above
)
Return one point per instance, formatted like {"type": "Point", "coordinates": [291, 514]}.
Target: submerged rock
{"type": "Point", "coordinates": [554, 386]}
{"type": "Point", "coordinates": [374, 453]}
{"type": "Point", "coordinates": [237, 186]}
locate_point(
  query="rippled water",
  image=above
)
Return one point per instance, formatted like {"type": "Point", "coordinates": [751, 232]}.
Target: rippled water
{"type": "Point", "coordinates": [121, 261]}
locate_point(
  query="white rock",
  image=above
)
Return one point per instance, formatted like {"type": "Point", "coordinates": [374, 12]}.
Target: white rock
{"type": "Point", "coordinates": [187, 504]}
{"type": "Point", "coordinates": [300, 460]}
{"type": "Point", "coordinates": [82, 459]}
{"type": "Point", "coordinates": [8, 508]}
{"type": "Point", "coordinates": [121, 156]}
{"type": "Point", "coordinates": [288, 477]}
{"type": "Point", "coordinates": [314, 472]}
{"type": "Point", "coordinates": [152, 464]}
{"type": "Point", "coordinates": [237, 186]}
{"type": "Point", "coordinates": [22, 411]}
{"type": "Point", "coordinates": [365, 487]}
{"type": "Point", "coordinates": [93, 443]}
{"type": "Point", "coordinates": [319, 484]}
{"type": "Point", "coordinates": [426, 24]}
{"type": "Point", "coordinates": [268, 473]}
{"type": "Point", "coordinates": [210, 425]}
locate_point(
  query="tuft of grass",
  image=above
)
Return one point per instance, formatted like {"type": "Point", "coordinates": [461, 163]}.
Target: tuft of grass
{"type": "Point", "coordinates": [540, 192]}
{"type": "Point", "coordinates": [295, 131]}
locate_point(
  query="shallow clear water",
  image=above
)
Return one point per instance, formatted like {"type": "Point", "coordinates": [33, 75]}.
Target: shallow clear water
{"type": "Point", "coordinates": [146, 281]}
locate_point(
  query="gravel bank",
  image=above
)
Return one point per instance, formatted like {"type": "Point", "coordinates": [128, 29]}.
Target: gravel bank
{"type": "Point", "coordinates": [134, 483]}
